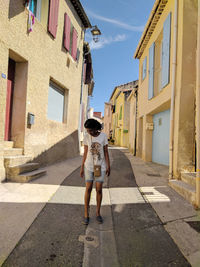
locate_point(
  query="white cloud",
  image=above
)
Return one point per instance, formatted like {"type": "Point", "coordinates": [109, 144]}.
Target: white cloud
{"type": "Point", "coordinates": [116, 22]}
{"type": "Point", "coordinates": [103, 41]}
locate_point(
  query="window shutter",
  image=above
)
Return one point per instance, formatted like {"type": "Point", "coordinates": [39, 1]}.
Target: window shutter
{"type": "Point", "coordinates": [74, 44]}
{"type": "Point", "coordinates": [166, 51]}
{"type": "Point", "coordinates": [32, 6]}
{"type": "Point", "coordinates": [151, 70]}
{"type": "Point", "coordinates": [67, 28]}
{"type": "Point", "coordinates": [120, 114]}
{"type": "Point", "coordinates": [144, 68]}
{"type": "Point", "coordinates": [39, 6]}
{"type": "Point", "coordinates": [53, 17]}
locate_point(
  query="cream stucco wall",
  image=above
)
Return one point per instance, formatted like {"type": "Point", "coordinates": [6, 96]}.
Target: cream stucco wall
{"type": "Point", "coordinates": [184, 131]}
{"type": "Point", "coordinates": [184, 88]}
{"type": "Point", "coordinates": [107, 119]}
{"type": "Point", "coordinates": [132, 123]}
{"type": "Point", "coordinates": [3, 86]}
{"type": "Point", "coordinates": [119, 122]}
{"type": "Point", "coordinates": [40, 58]}
{"type": "Point", "coordinates": [114, 117]}
{"type": "Point", "coordinates": [162, 100]}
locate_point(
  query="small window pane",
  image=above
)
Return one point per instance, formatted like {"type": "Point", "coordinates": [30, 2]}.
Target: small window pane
{"type": "Point", "coordinates": [55, 103]}
{"type": "Point", "coordinates": [144, 68]}
{"type": "Point", "coordinates": [71, 39]}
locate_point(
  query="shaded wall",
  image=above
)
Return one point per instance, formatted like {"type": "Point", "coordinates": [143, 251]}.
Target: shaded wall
{"type": "Point", "coordinates": [64, 149]}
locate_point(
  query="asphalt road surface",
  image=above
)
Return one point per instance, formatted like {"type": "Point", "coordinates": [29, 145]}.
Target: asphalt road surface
{"type": "Point", "coordinates": [131, 235]}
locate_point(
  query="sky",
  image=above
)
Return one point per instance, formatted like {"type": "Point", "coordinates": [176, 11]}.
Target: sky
{"type": "Point", "coordinates": [121, 23]}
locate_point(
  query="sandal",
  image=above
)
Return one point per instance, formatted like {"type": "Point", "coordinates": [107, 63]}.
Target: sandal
{"type": "Point", "coordinates": [86, 220]}
{"type": "Point", "coordinates": [99, 219]}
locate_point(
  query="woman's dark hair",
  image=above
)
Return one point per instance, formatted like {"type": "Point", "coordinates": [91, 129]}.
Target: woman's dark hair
{"type": "Point", "coordinates": [92, 124]}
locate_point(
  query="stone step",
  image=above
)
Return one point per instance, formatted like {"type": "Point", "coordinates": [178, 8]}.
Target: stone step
{"type": "Point", "coordinates": [189, 178]}
{"type": "Point", "coordinates": [186, 190]}
{"type": "Point", "coordinates": [27, 167]}
{"type": "Point", "coordinates": [26, 177]}
{"type": "Point", "coordinates": [12, 161]}
{"type": "Point", "coordinates": [12, 152]}
{"type": "Point", "coordinates": [8, 144]}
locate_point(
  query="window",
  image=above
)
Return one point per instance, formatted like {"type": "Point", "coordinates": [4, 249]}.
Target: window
{"type": "Point", "coordinates": [35, 8]}
{"type": "Point", "coordinates": [159, 60]}
{"type": "Point", "coordinates": [166, 51]}
{"type": "Point", "coordinates": [53, 17]}
{"type": "Point", "coordinates": [56, 103]}
{"type": "Point", "coordinates": [158, 64]}
{"type": "Point", "coordinates": [120, 113]}
{"type": "Point", "coordinates": [144, 68]}
{"type": "Point", "coordinates": [151, 71]}
{"type": "Point", "coordinates": [67, 29]}
{"type": "Point", "coordinates": [70, 38]}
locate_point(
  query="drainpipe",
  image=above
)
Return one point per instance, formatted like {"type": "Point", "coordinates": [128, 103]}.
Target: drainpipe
{"type": "Point", "coordinates": [198, 111]}
{"type": "Point", "coordinates": [171, 144]}
{"type": "Point", "coordinates": [81, 98]}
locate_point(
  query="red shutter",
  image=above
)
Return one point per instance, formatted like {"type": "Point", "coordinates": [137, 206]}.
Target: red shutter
{"type": "Point", "coordinates": [53, 17]}
{"type": "Point", "coordinates": [74, 44]}
{"type": "Point", "coordinates": [67, 28]}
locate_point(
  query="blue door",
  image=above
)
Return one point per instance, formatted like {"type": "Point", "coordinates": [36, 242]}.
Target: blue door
{"type": "Point", "coordinates": [160, 142]}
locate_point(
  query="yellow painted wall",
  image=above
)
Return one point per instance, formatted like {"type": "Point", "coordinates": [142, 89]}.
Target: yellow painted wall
{"type": "Point", "coordinates": [120, 127]}
{"type": "Point", "coordinates": [40, 58]}
{"type": "Point", "coordinates": [131, 128]}
{"type": "Point", "coordinates": [162, 100]}
{"type": "Point", "coordinates": [183, 156]}
{"type": "Point", "coordinates": [114, 114]}
{"type": "Point", "coordinates": [184, 131]}
{"type": "Point", "coordinates": [119, 132]}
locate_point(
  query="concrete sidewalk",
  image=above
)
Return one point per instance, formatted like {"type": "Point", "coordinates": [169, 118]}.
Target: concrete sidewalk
{"type": "Point", "coordinates": [20, 204]}
{"type": "Point", "coordinates": [172, 209]}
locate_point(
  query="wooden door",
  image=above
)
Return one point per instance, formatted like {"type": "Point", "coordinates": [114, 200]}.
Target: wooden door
{"type": "Point", "coordinates": [9, 99]}
{"type": "Point", "coordinates": [8, 111]}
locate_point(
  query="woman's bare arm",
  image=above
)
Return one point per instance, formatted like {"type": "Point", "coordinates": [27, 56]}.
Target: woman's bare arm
{"type": "Point", "coordinates": [83, 160]}
{"type": "Point", "coordinates": [105, 148]}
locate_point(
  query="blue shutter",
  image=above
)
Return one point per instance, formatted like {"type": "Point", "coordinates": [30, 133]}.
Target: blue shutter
{"type": "Point", "coordinates": [151, 70]}
{"type": "Point", "coordinates": [32, 6]}
{"type": "Point", "coordinates": [144, 68]}
{"type": "Point", "coordinates": [166, 51]}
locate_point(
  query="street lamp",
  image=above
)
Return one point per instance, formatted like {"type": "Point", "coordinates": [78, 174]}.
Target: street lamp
{"type": "Point", "coordinates": [95, 33]}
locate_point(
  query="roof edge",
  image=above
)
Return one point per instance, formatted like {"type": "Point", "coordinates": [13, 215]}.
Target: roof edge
{"type": "Point", "coordinates": [135, 84]}
{"type": "Point", "coordinates": [81, 13]}
{"type": "Point", "coordinates": [148, 24]}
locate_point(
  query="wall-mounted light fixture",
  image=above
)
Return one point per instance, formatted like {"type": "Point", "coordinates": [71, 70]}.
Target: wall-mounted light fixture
{"type": "Point", "coordinates": [95, 33]}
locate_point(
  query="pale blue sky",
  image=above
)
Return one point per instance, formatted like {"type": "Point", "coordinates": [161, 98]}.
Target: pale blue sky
{"type": "Point", "coordinates": [121, 23]}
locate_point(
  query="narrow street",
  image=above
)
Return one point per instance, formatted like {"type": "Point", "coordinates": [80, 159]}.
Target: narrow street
{"type": "Point", "coordinates": [82, 80]}
{"type": "Point", "coordinates": [132, 234]}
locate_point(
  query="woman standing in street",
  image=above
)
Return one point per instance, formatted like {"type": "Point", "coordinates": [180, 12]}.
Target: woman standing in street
{"type": "Point", "coordinates": [95, 164]}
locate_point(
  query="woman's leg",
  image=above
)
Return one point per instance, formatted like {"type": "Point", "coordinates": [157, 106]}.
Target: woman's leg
{"type": "Point", "coordinates": [98, 197]}
{"type": "Point", "coordinates": [88, 191]}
